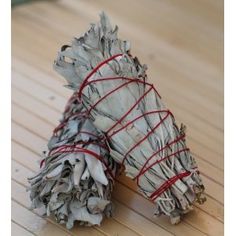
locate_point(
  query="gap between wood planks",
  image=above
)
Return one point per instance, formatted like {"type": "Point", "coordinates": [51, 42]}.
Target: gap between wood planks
{"type": "Point", "coordinates": [19, 230]}
{"type": "Point", "coordinates": [45, 104]}
{"type": "Point", "coordinates": [71, 14]}
{"type": "Point", "coordinates": [191, 120]}
{"type": "Point", "coordinates": [124, 216]}
{"type": "Point", "coordinates": [179, 23]}
{"type": "Point", "coordinates": [46, 96]}
{"type": "Point", "coordinates": [209, 83]}
{"type": "Point", "coordinates": [44, 99]}
{"type": "Point", "coordinates": [184, 108]}
{"type": "Point", "coordinates": [27, 163]}
{"type": "Point", "coordinates": [42, 131]}
{"type": "Point", "coordinates": [36, 224]}
{"type": "Point", "coordinates": [48, 41]}
{"type": "Point", "coordinates": [24, 151]}
{"type": "Point", "coordinates": [20, 74]}
{"type": "Point", "coordinates": [52, 84]}
{"type": "Point", "coordinates": [105, 229]}
{"type": "Point", "coordinates": [70, 11]}
{"type": "Point", "coordinates": [213, 207]}
{"type": "Point", "coordinates": [167, 81]}
{"type": "Point", "coordinates": [213, 137]}
{"type": "Point", "coordinates": [212, 133]}
{"type": "Point", "coordinates": [49, 121]}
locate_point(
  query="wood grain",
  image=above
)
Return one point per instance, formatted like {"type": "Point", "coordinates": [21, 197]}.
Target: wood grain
{"type": "Point", "coordinates": [181, 41]}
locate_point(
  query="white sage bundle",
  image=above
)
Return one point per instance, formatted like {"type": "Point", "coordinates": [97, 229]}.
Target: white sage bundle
{"type": "Point", "coordinates": [77, 174]}
{"type": "Point", "coordinates": [140, 130]}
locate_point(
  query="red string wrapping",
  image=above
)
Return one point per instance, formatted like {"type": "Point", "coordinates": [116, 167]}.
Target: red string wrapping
{"type": "Point", "coordinates": [77, 149]}
{"type": "Point", "coordinates": [111, 132]}
{"type": "Point", "coordinates": [167, 184]}
{"type": "Point", "coordinates": [74, 148]}
{"type": "Point", "coordinates": [76, 114]}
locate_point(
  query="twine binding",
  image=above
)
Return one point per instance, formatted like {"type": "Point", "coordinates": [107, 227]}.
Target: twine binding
{"type": "Point", "coordinates": [111, 132]}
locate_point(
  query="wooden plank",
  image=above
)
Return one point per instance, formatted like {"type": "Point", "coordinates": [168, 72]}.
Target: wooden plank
{"type": "Point", "coordinates": [20, 116]}
{"type": "Point", "coordinates": [174, 88]}
{"type": "Point", "coordinates": [196, 218]}
{"type": "Point", "coordinates": [125, 222]}
{"type": "Point", "coordinates": [46, 133]}
{"type": "Point", "coordinates": [57, 102]}
{"type": "Point", "coordinates": [31, 160]}
{"type": "Point", "coordinates": [34, 223]}
{"type": "Point", "coordinates": [52, 117]}
{"type": "Point", "coordinates": [19, 150]}
{"type": "Point", "coordinates": [76, 10]}
{"type": "Point", "coordinates": [20, 175]}
{"type": "Point", "coordinates": [20, 82]}
{"type": "Point", "coordinates": [212, 207]}
{"type": "Point", "coordinates": [130, 184]}
{"type": "Point", "coordinates": [47, 101]}
{"type": "Point", "coordinates": [190, 120]}
{"type": "Point", "coordinates": [72, 9]}
{"type": "Point", "coordinates": [184, 53]}
{"type": "Point", "coordinates": [213, 134]}
{"type": "Point", "coordinates": [29, 103]}
{"type": "Point", "coordinates": [19, 193]}
{"type": "Point", "coordinates": [38, 25]}
{"type": "Point", "coordinates": [120, 214]}
{"type": "Point", "coordinates": [208, 152]}
{"type": "Point", "coordinates": [188, 28]}
{"type": "Point", "coordinates": [17, 230]}
{"type": "Point", "coordinates": [53, 83]}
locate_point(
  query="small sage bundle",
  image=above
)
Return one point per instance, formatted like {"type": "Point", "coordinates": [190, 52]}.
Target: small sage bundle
{"type": "Point", "coordinates": [77, 175]}
{"type": "Point", "coordinates": [141, 131]}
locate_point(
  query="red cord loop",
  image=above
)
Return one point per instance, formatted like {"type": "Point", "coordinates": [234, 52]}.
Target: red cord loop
{"type": "Point", "coordinates": [111, 132]}
{"type": "Point", "coordinates": [75, 148]}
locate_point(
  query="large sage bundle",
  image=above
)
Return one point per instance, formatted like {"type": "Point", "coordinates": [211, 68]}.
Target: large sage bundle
{"type": "Point", "coordinates": [77, 175]}
{"type": "Point", "coordinates": [141, 131]}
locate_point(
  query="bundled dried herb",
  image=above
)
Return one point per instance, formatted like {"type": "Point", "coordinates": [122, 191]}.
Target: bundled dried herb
{"type": "Point", "coordinates": [77, 174]}
{"type": "Point", "coordinates": [141, 131]}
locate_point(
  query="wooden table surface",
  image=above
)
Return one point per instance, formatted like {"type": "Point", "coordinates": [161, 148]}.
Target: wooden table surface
{"type": "Point", "coordinates": [181, 41]}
